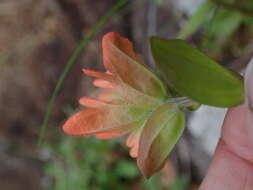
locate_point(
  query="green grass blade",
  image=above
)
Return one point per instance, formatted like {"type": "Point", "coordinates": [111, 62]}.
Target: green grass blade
{"type": "Point", "coordinates": [72, 60]}
{"type": "Point", "coordinates": [196, 20]}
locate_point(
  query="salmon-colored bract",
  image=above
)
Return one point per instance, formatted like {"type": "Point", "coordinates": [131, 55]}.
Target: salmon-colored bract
{"type": "Point", "coordinates": [132, 102]}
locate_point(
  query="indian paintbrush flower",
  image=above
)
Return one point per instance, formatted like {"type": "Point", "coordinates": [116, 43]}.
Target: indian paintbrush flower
{"type": "Point", "coordinates": [134, 101]}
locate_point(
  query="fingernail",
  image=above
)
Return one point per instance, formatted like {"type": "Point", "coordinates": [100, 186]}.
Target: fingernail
{"type": "Point", "coordinates": [249, 97]}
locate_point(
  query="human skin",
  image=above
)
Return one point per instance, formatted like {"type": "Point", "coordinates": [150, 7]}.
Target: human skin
{"type": "Point", "coordinates": [232, 165]}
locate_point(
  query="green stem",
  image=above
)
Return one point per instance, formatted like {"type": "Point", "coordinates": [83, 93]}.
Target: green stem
{"type": "Point", "coordinates": [72, 60]}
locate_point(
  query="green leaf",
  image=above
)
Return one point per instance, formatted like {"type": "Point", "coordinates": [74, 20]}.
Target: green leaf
{"type": "Point", "coordinates": [196, 20]}
{"type": "Point", "coordinates": [195, 75]}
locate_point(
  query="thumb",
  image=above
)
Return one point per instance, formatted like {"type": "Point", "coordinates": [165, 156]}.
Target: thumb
{"type": "Point", "coordinates": [232, 164]}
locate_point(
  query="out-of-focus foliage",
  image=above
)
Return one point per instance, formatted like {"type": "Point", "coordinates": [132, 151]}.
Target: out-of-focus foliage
{"type": "Point", "coordinates": [86, 163]}
{"type": "Point", "coordinates": [219, 20]}
{"type": "Point", "coordinates": [2, 60]}
{"type": "Point", "coordinates": [245, 6]}
{"type": "Point", "coordinates": [222, 25]}
{"type": "Point", "coordinates": [196, 20]}
{"type": "Point", "coordinates": [90, 164]}
{"type": "Point", "coordinates": [159, 2]}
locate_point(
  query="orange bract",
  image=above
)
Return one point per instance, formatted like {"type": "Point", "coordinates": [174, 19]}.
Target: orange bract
{"type": "Point", "coordinates": [123, 105]}
{"type": "Point", "coordinates": [131, 102]}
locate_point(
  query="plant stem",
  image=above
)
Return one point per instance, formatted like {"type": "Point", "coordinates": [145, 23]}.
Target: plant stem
{"type": "Point", "coordinates": [72, 60]}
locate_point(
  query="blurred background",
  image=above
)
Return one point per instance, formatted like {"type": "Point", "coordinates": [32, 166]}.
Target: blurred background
{"type": "Point", "coordinates": [37, 38]}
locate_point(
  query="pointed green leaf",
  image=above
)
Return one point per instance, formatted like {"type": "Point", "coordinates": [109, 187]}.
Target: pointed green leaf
{"type": "Point", "coordinates": [195, 75]}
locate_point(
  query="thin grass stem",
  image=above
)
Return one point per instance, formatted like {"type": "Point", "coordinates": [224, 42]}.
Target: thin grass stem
{"type": "Point", "coordinates": [72, 60]}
